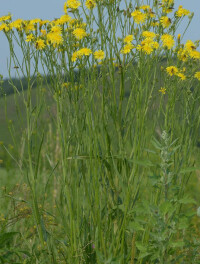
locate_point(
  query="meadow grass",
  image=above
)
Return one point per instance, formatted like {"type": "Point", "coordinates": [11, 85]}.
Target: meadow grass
{"type": "Point", "coordinates": [102, 165]}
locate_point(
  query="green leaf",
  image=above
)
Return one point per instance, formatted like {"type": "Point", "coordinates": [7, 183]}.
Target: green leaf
{"type": "Point", "coordinates": [187, 200]}
{"type": "Point", "coordinates": [143, 255]}
{"type": "Point", "coordinates": [141, 247]}
{"type": "Point", "coordinates": [134, 226]}
{"type": "Point", "coordinates": [165, 207]}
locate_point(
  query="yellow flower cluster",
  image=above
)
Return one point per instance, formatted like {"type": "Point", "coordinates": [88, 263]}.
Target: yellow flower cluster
{"type": "Point", "coordinates": [168, 41]}
{"type": "Point", "coordinates": [80, 53]}
{"type": "Point", "coordinates": [182, 12]}
{"type": "Point", "coordinates": [129, 46]}
{"type": "Point", "coordinates": [73, 4]}
{"type": "Point", "coordinates": [189, 51]}
{"type": "Point", "coordinates": [148, 45]}
{"type": "Point", "coordinates": [139, 17]}
{"type": "Point", "coordinates": [173, 70]}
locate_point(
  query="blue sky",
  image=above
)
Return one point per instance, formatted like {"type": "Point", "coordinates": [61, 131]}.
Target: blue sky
{"type": "Point", "coordinates": [50, 9]}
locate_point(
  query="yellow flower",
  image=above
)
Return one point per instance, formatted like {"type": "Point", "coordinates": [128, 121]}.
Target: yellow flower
{"type": "Point", "coordinates": [197, 75]}
{"type": "Point", "coordinates": [182, 12]}
{"type": "Point", "coordinates": [181, 76]}
{"type": "Point", "coordinates": [16, 24]}
{"type": "Point", "coordinates": [43, 22]}
{"type": "Point", "coordinates": [139, 17]}
{"type": "Point", "coordinates": [43, 31]}
{"type": "Point", "coordinates": [128, 39]}
{"type": "Point", "coordinates": [80, 53]}
{"type": "Point", "coordinates": [172, 70]}
{"type": "Point", "coordinates": [56, 29]}
{"type": "Point", "coordinates": [64, 19]}
{"type": "Point", "coordinates": [79, 33]}
{"type": "Point", "coordinates": [54, 38]}
{"type": "Point", "coordinates": [4, 27]}
{"type": "Point", "coordinates": [39, 44]}
{"type": "Point", "coordinates": [168, 41]}
{"type": "Point", "coordinates": [144, 7]}
{"type": "Point", "coordinates": [29, 38]}
{"type": "Point", "coordinates": [29, 26]}
{"type": "Point", "coordinates": [194, 54]}
{"type": "Point", "coordinates": [148, 34]}
{"type": "Point", "coordinates": [35, 20]}
{"type": "Point", "coordinates": [99, 54]}
{"type": "Point", "coordinates": [165, 21]}
{"type": "Point", "coordinates": [90, 4]}
{"type": "Point", "coordinates": [127, 48]}
{"type": "Point", "coordinates": [148, 49]}
{"type": "Point", "coordinates": [73, 4]}
{"type": "Point", "coordinates": [162, 90]}
{"type": "Point", "coordinates": [190, 46]}
{"type": "Point", "coordinates": [182, 54]}
{"type": "Point", "coordinates": [4, 18]}
{"type": "Point", "coordinates": [84, 51]}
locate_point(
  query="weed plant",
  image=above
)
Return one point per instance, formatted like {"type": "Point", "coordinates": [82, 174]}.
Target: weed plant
{"type": "Point", "coordinates": [104, 164]}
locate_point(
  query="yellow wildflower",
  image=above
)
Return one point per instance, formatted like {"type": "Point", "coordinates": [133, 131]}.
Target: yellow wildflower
{"type": "Point", "coordinates": [197, 75]}
{"type": "Point", "coordinates": [127, 48]}
{"type": "Point", "coordinates": [172, 70]}
{"type": "Point", "coordinates": [99, 54]}
{"type": "Point", "coordinates": [139, 17]}
{"type": "Point", "coordinates": [182, 12]}
{"type": "Point", "coordinates": [29, 26]}
{"type": "Point", "coordinates": [181, 76]}
{"type": "Point", "coordinates": [128, 39]}
{"type": "Point", "coordinates": [43, 22]}
{"type": "Point", "coordinates": [162, 90]}
{"type": "Point", "coordinates": [16, 24]}
{"type": "Point", "coordinates": [190, 46]}
{"type": "Point", "coordinates": [79, 33]}
{"type": "Point", "coordinates": [144, 7]}
{"type": "Point", "coordinates": [73, 4]}
{"type": "Point", "coordinates": [39, 44]}
{"type": "Point", "coordinates": [165, 21]}
{"type": "Point", "coordinates": [4, 26]}
{"type": "Point", "coordinates": [168, 41]}
{"type": "Point", "coordinates": [4, 18]}
{"type": "Point", "coordinates": [29, 38]}
{"type": "Point", "coordinates": [182, 54]}
{"type": "Point", "coordinates": [64, 19]}
{"type": "Point", "coordinates": [148, 34]}
{"type": "Point", "coordinates": [194, 54]}
{"type": "Point", "coordinates": [56, 29]}
{"type": "Point", "coordinates": [90, 4]}
{"type": "Point", "coordinates": [43, 31]}
{"type": "Point", "coordinates": [54, 38]}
